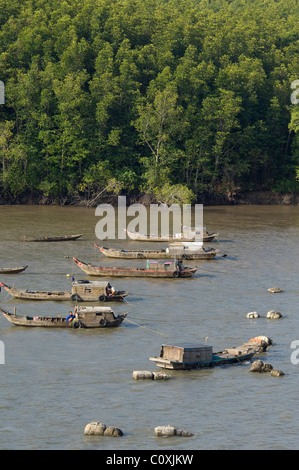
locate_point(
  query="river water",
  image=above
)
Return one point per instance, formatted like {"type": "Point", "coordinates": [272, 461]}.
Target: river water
{"type": "Point", "coordinates": [56, 381]}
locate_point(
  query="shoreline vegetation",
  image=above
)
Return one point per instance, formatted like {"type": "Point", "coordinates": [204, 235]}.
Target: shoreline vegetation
{"type": "Point", "coordinates": [164, 101]}
{"type": "Point", "coordinates": [246, 198]}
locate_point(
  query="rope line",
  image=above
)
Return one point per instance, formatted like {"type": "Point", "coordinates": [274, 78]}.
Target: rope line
{"type": "Point", "coordinates": [140, 326]}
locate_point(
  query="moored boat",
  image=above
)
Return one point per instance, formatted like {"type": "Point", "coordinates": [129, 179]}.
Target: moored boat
{"type": "Point", "coordinates": [189, 356]}
{"type": "Point", "coordinates": [52, 239]}
{"type": "Point", "coordinates": [13, 270]}
{"type": "Point", "coordinates": [86, 317]}
{"type": "Point", "coordinates": [82, 290]}
{"type": "Point", "coordinates": [154, 269]}
{"type": "Point", "coordinates": [188, 235]}
{"type": "Point", "coordinates": [180, 251]}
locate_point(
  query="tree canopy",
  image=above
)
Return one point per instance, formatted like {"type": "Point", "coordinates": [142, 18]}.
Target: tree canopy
{"type": "Point", "coordinates": [170, 98]}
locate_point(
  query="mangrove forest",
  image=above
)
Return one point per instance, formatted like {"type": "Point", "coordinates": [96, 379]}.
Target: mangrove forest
{"type": "Point", "coordinates": [173, 100]}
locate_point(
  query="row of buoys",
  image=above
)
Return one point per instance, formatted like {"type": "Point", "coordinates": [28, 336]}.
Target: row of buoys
{"type": "Point", "coordinates": [97, 428]}
{"type": "Point", "coordinates": [271, 315]}
{"type": "Point", "coordinates": [167, 431]}
{"type": "Point", "coordinates": [260, 366]}
{"type": "Point", "coordinates": [147, 375]}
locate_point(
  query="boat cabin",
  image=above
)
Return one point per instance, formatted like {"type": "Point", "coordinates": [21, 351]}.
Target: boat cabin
{"type": "Point", "coordinates": [186, 353]}
{"type": "Point", "coordinates": [85, 288]}
{"type": "Point", "coordinates": [196, 233]}
{"type": "Point", "coordinates": [179, 247]}
{"type": "Point", "coordinates": [82, 310]}
{"type": "Point", "coordinates": [95, 314]}
{"type": "Point", "coordinates": [183, 356]}
{"type": "Point", "coordinates": [161, 265]}
{"type": "Point", "coordinates": [94, 290]}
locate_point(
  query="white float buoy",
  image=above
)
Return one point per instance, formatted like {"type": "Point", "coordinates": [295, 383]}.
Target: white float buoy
{"type": "Point", "coordinates": [273, 315]}
{"type": "Point", "coordinates": [275, 290]}
{"type": "Point", "coordinates": [252, 315]}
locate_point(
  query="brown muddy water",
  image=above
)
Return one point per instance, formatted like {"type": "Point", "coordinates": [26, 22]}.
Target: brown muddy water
{"type": "Point", "coordinates": [54, 382]}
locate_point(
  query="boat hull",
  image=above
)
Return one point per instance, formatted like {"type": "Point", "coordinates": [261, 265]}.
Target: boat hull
{"type": "Point", "coordinates": [133, 272]}
{"type": "Point", "coordinates": [147, 238]}
{"type": "Point", "coordinates": [52, 239]}
{"type": "Point", "coordinates": [216, 361]}
{"type": "Point", "coordinates": [60, 322]}
{"type": "Point", "coordinates": [158, 254]}
{"type": "Point", "coordinates": [12, 270]}
{"type": "Point", "coordinates": [39, 295]}
{"type": "Point", "coordinates": [186, 356]}
{"type": "Point", "coordinates": [63, 295]}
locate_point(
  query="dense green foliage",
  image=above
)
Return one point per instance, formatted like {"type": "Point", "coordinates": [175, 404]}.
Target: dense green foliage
{"type": "Point", "coordinates": [174, 98]}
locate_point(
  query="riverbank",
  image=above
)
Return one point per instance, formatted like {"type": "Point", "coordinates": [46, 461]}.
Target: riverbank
{"type": "Point", "coordinates": [253, 198]}
{"type": "Point", "coordinates": [245, 198]}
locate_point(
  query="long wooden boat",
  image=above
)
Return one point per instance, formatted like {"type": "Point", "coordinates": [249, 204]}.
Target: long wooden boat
{"type": "Point", "coordinates": [82, 290]}
{"type": "Point", "coordinates": [13, 270]}
{"type": "Point", "coordinates": [186, 356]}
{"type": "Point", "coordinates": [167, 269]}
{"type": "Point", "coordinates": [190, 236]}
{"type": "Point", "coordinates": [179, 251]}
{"type": "Point", "coordinates": [52, 239]}
{"type": "Point", "coordinates": [87, 317]}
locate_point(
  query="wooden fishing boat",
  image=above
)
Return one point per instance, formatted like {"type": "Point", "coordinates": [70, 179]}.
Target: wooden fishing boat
{"type": "Point", "coordinates": [188, 235]}
{"type": "Point", "coordinates": [166, 269]}
{"type": "Point", "coordinates": [180, 251]}
{"type": "Point", "coordinates": [12, 270]}
{"type": "Point", "coordinates": [52, 239]}
{"type": "Point", "coordinates": [86, 317]}
{"type": "Point", "coordinates": [189, 356]}
{"type": "Point", "coordinates": [82, 290]}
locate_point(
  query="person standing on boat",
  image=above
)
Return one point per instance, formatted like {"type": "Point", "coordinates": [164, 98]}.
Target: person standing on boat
{"type": "Point", "coordinates": [110, 291]}
{"type": "Point", "coordinates": [179, 266]}
{"type": "Point", "coordinates": [72, 315]}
